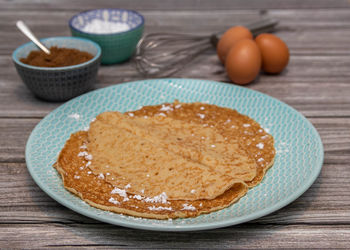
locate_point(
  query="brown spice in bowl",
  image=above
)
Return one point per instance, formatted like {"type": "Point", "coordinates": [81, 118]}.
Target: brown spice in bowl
{"type": "Point", "coordinates": [59, 57]}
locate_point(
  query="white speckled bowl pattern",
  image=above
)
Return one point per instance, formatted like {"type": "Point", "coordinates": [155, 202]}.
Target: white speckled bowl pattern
{"type": "Point", "coordinates": [298, 160]}
{"type": "Point", "coordinates": [116, 47]}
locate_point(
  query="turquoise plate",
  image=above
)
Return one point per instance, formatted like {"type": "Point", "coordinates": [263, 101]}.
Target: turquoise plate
{"type": "Point", "coordinates": [297, 164]}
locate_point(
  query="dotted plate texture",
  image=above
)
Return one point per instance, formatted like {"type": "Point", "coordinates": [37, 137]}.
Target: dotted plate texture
{"type": "Point", "coordinates": [297, 164]}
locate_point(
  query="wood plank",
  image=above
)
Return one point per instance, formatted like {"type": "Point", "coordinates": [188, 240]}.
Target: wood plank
{"type": "Point", "coordinates": [108, 236]}
{"type": "Point", "coordinates": [169, 5]}
{"type": "Point", "coordinates": [301, 31]}
{"type": "Point", "coordinates": [314, 85]}
{"type": "Point", "coordinates": [326, 202]}
{"type": "Point", "coordinates": [334, 133]}
{"type": "Point", "coordinates": [318, 67]}
{"type": "Point", "coordinates": [14, 134]}
{"type": "Point", "coordinates": [300, 41]}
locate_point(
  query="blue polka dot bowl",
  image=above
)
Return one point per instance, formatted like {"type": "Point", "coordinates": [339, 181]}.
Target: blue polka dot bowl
{"type": "Point", "coordinates": [117, 45]}
{"type": "Point", "coordinates": [59, 83]}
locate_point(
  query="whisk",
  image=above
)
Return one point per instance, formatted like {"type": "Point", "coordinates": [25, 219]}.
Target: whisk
{"type": "Point", "coordinates": [159, 55]}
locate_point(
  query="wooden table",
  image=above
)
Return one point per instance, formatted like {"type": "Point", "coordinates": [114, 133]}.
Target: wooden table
{"type": "Point", "coordinates": [316, 83]}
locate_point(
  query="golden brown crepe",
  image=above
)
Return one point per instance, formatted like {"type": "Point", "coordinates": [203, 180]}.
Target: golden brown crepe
{"type": "Point", "coordinates": [157, 155]}
{"type": "Point", "coordinates": [108, 166]}
{"type": "Point", "coordinates": [78, 178]}
{"type": "Point", "coordinates": [192, 141]}
{"type": "Point", "coordinates": [252, 137]}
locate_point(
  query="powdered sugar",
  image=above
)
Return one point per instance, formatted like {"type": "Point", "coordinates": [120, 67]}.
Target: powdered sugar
{"type": "Point", "coordinates": [114, 201]}
{"type": "Point", "coordinates": [98, 26]}
{"type": "Point", "coordinates": [188, 207]}
{"type": "Point", "coordinates": [121, 193]}
{"type": "Point", "coordinates": [166, 108]}
{"type": "Point", "coordinates": [202, 116]}
{"type": "Point", "coordinates": [82, 154]}
{"type": "Point", "coordinates": [160, 208]}
{"type": "Point", "coordinates": [74, 116]}
{"type": "Point", "coordinates": [137, 197]}
{"type": "Point", "coordinates": [162, 198]}
{"type": "Point", "coordinates": [88, 157]}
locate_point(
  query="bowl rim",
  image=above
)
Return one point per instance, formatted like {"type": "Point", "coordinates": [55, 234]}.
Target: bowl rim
{"type": "Point", "coordinates": [106, 34]}
{"type": "Point", "coordinates": [98, 54]}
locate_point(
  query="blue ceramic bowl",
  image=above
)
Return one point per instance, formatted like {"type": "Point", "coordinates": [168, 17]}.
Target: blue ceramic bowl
{"type": "Point", "coordinates": [59, 83]}
{"type": "Point", "coordinates": [118, 46]}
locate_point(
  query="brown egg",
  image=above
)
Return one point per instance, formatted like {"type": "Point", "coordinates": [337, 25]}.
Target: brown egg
{"type": "Point", "coordinates": [229, 38]}
{"type": "Point", "coordinates": [274, 53]}
{"type": "Point", "coordinates": [243, 62]}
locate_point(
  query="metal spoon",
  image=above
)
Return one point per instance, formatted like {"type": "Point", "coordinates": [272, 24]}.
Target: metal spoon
{"type": "Point", "coordinates": [26, 31]}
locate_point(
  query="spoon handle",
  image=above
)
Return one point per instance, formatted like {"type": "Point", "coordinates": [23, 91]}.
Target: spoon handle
{"type": "Point", "coordinates": [26, 31]}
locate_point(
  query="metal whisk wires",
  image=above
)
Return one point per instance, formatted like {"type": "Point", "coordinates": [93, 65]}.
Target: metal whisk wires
{"type": "Point", "coordinates": [158, 54]}
{"type": "Point", "coordinates": [162, 54]}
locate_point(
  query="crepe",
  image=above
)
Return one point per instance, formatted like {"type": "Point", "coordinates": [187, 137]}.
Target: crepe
{"type": "Point", "coordinates": [78, 178]}
{"type": "Point", "coordinates": [107, 166]}
{"type": "Point", "coordinates": [185, 158]}
{"type": "Point", "coordinates": [125, 159]}
{"type": "Point", "coordinates": [190, 140]}
{"type": "Point", "coordinates": [257, 142]}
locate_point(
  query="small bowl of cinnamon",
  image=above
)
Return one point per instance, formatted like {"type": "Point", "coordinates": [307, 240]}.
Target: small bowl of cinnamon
{"type": "Point", "coordinates": [70, 69]}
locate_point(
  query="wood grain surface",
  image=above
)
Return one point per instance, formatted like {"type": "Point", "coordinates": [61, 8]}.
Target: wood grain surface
{"type": "Point", "coordinates": [316, 83]}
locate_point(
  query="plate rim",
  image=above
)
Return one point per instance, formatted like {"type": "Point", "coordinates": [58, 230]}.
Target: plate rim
{"type": "Point", "coordinates": [181, 227]}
